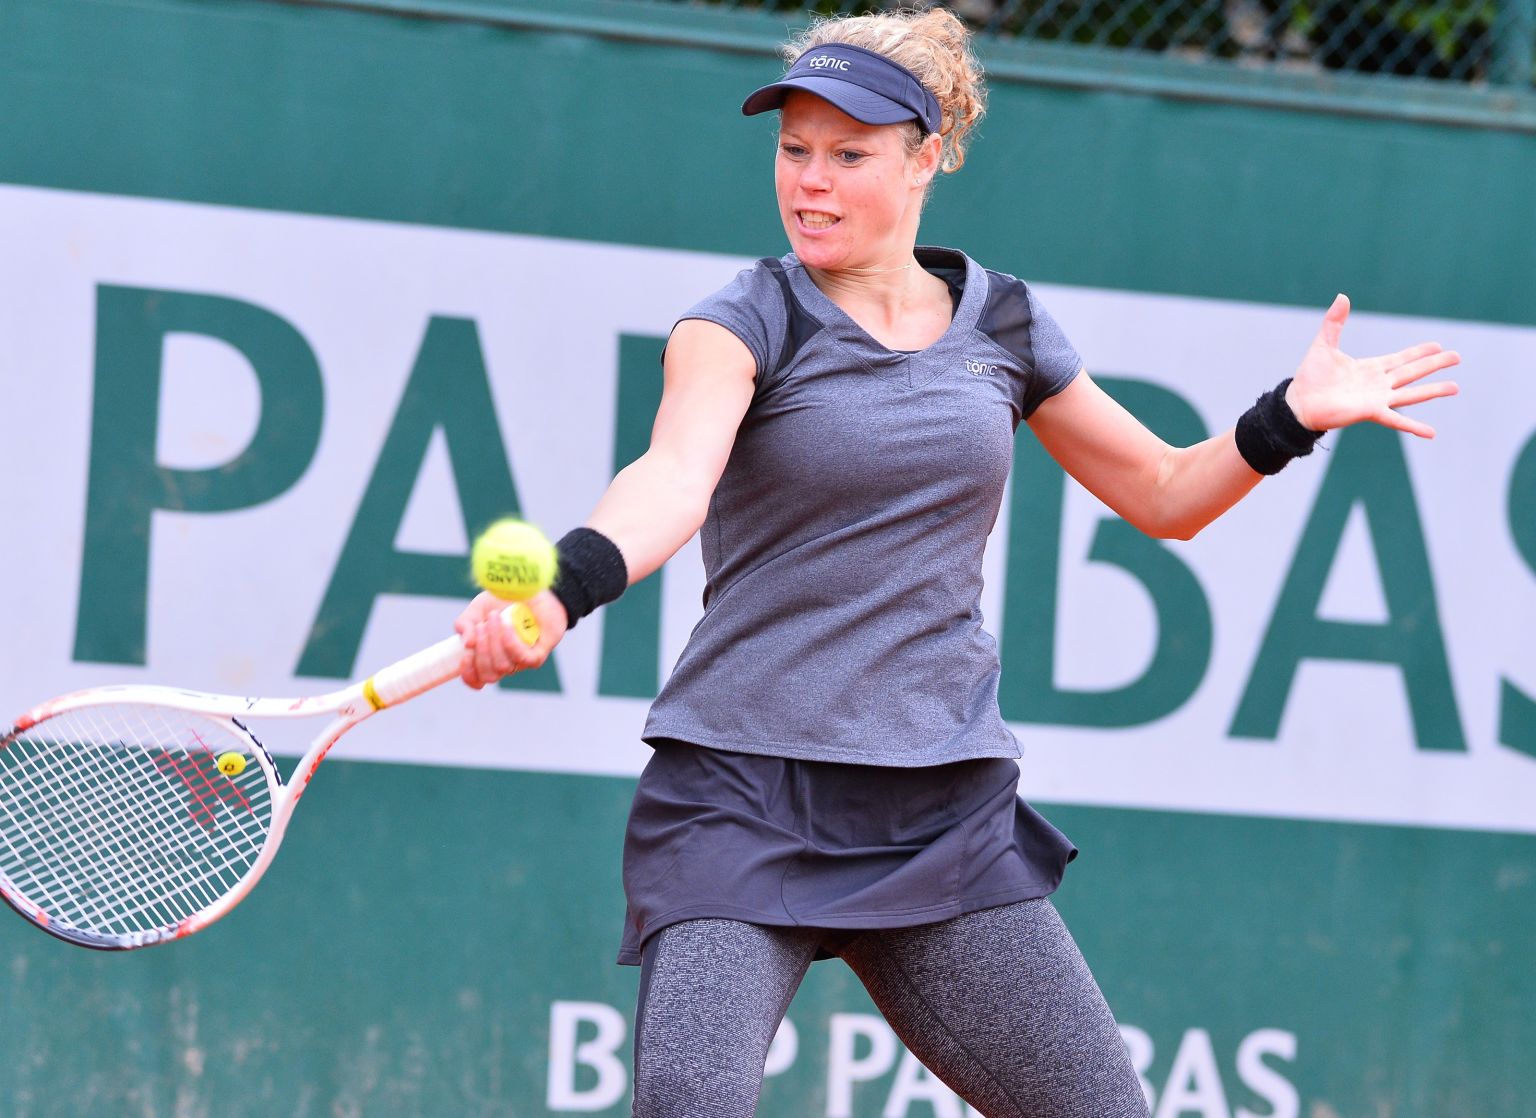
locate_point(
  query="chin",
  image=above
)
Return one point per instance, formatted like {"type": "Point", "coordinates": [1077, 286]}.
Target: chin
{"type": "Point", "coordinates": [818, 254]}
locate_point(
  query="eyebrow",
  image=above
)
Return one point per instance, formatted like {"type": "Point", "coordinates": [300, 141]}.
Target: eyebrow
{"type": "Point", "coordinates": [842, 137]}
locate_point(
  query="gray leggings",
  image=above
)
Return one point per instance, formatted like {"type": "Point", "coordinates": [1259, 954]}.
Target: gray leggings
{"type": "Point", "coordinates": [998, 1004]}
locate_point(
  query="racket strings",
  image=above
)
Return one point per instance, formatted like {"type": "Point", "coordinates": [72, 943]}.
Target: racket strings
{"type": "Point", "coordinates": [93, 818]}
{"type": "Point", "coordinates": [116, 820]}
{"type": "Point", "coordinates": [95, 815]}
{"type": "Point", "coordinates": [90, 822]}
{"type": "Point", "coordinates": [98, 818]}
{"type": "Point", "coordinates": [103, 822]}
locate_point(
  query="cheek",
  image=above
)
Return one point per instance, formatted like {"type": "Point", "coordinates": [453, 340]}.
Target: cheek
{"type": "Point", "coordinates": [784, 182]}
{"type": "Point", "coordinates": [881, 197]}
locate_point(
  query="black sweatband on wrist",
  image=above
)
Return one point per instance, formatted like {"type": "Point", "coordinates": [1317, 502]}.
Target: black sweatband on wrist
{"type": "Point", "coordinates": [591, 573]}
{"type": "Point", "coordinates": [1269, 435]}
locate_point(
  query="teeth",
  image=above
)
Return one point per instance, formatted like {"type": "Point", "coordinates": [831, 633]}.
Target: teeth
{"type": "Point", "coordinates": [813, 220]}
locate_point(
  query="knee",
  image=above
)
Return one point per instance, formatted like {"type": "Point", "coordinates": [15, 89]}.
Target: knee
{"type": "Point", "coordinates": [673, 1085]}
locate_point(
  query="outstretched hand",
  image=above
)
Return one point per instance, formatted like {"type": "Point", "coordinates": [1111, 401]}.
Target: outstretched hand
{"type": "Point", "coordinates": [1332, 389]}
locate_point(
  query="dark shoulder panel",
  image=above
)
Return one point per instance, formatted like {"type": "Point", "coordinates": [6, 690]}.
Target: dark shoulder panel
{"type": "Point", "coordinates": [1014, 319]}
{"type": "Point", "coordinates": [1007, 317]}
{"type": "Point", "coordinates": [799, 328]}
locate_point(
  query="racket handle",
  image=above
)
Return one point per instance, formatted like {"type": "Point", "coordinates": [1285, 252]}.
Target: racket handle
{"type": "Point", "coordinates": [522, 621]}
{"type": "Point", "coordinates": [432, 667]}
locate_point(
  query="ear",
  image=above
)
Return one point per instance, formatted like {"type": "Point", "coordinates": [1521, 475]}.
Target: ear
{"type": "Point", "coordinates": [926, 163]}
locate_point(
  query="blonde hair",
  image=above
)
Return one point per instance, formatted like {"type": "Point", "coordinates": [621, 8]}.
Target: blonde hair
{"type": "Point", "coordinates": [931, 43]}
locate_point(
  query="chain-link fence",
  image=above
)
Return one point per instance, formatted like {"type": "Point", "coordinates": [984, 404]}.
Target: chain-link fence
{"type": "Point", "coordinates": [1486, 42]}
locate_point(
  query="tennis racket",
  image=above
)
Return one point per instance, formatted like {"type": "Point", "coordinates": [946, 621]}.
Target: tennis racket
{"type": "Point", "coordinates": [131, 815]}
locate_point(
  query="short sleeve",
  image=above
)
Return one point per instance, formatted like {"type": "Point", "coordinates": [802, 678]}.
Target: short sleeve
{"type": "Point", "coordinates": [752, 307]}
{"type": "Point", "coordinates": [1056, 360]}
{"type": "Point", "coordinates": [1015, 322]}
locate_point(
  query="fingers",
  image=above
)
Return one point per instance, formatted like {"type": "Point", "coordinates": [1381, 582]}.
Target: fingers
{"type": "Point", "coordinates": [1333, 321]}
{"type": "Point", "coordinates": [1392, 417]}
{"type": "Point", "coordinates": [1372, 388]}
{"type": "Point", "coordinates": [1399, 422]}
{"type": "Point", "coordinates": [1421, 365]}
{"type": "Point", "coordinates": [464, 624]}
{"type": "Point", "coordinates": [492, 660]}
{"type": "Point", "coordinates": [1412, 353]}
{"type": "Point", "coordinates": [467, 672]}
{"type": "Point", "coordinates": [1405, 398]}
{"type": "Point", "coordinates": [494, 648]}
{"type": "Point", "coordinates": [473, 613]}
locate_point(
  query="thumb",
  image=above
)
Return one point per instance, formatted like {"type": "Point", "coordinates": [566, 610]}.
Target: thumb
{"type": "Point", "coordinates": [1333, 321]}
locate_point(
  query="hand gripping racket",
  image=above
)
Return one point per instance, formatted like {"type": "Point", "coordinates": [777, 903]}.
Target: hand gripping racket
{"type": "Point", "coordinates": [134, 815]}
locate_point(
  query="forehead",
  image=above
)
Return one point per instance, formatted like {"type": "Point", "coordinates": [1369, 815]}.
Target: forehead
{"type": "Point", "coordinates": [805, 114]}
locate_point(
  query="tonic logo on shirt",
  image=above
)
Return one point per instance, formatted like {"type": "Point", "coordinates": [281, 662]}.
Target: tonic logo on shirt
{"type": "Point", "coordinates": [981, 368]}
{"type": "Point", "coordinates": [827, 62]}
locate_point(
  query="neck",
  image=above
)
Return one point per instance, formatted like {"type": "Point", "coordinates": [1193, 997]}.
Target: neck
{"type": "Point", "coordinates": [884, 279]}
{"type": "Point", "coordinates": [877, 271]}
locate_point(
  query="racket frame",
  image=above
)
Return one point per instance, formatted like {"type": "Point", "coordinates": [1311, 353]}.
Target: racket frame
{"type": "Point", "coordinates": [389, 686]}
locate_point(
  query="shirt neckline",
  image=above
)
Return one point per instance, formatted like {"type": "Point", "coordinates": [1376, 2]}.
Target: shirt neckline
{"type": "Point", "coordinates": [961, 319]}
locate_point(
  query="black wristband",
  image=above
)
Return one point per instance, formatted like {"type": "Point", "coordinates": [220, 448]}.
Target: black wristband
{"type": "Point", "coordinates": [591, 573]}
{"type": "Point", "coordinates": [1269, 435]}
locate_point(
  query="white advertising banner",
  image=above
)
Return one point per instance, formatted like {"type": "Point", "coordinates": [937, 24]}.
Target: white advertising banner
{"type": "Point", "coordinates": [207, 408]}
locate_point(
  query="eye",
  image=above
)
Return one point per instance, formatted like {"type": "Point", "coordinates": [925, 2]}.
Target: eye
{"type": "Point", "coordinates": [849, 158]}
{"type": "Point", "coordinates": [793, 151]}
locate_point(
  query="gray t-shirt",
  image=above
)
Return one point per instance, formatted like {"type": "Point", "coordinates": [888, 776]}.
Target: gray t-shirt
{"type": "Point", "coordinates": [843, 544]}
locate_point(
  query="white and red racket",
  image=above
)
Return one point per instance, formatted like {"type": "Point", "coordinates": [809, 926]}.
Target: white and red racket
{"type": "Point", "coordinates": [135, 815]}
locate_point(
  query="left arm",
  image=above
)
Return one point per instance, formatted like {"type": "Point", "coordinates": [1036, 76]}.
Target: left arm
{"type": "Point", "coordinates": [1172, 492]}
{"type": "Point", "coordinates": [1165, 491]}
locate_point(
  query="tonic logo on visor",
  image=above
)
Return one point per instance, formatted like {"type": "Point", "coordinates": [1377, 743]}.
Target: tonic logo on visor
{"type": "Point", "coordinates": [863, 83]}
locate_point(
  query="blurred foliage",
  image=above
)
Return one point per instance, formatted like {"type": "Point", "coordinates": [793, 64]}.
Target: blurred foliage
{"type": "Point", "coordinates": [1445, 39]}
{"type": "Point", "coordinates": [1451, 39]}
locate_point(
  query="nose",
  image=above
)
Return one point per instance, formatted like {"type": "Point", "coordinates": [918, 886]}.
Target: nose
{"type": "Point", "coordinates": [816, 176]}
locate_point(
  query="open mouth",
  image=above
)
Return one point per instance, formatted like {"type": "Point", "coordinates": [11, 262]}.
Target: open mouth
{"type": "Point", "coordinates": [815, 220]}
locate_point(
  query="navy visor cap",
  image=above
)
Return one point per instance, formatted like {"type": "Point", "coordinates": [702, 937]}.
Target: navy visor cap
{"type": "Point", "coordinates": [863, 83]}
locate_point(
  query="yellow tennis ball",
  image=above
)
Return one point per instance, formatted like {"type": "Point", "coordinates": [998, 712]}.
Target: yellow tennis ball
{"type": "Point", "coordinates": [231, 764]}
{"type": "Point", "coordinates": [513, 560]}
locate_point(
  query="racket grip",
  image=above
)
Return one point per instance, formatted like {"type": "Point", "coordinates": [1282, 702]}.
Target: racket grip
{"type": "Point", "coordinates": [434, 666]}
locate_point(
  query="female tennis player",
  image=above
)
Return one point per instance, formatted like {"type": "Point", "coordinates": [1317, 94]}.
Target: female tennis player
{"type": "Point", "coordinates": [831, 774]}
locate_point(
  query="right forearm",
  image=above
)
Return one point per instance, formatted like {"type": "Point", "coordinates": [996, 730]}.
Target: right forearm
{"type": "Point", "coordinates": [651, 509]}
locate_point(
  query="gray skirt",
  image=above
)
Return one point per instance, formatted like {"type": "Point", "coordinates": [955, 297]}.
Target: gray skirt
{"type": "Point", "coordinates": [816, 844]}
